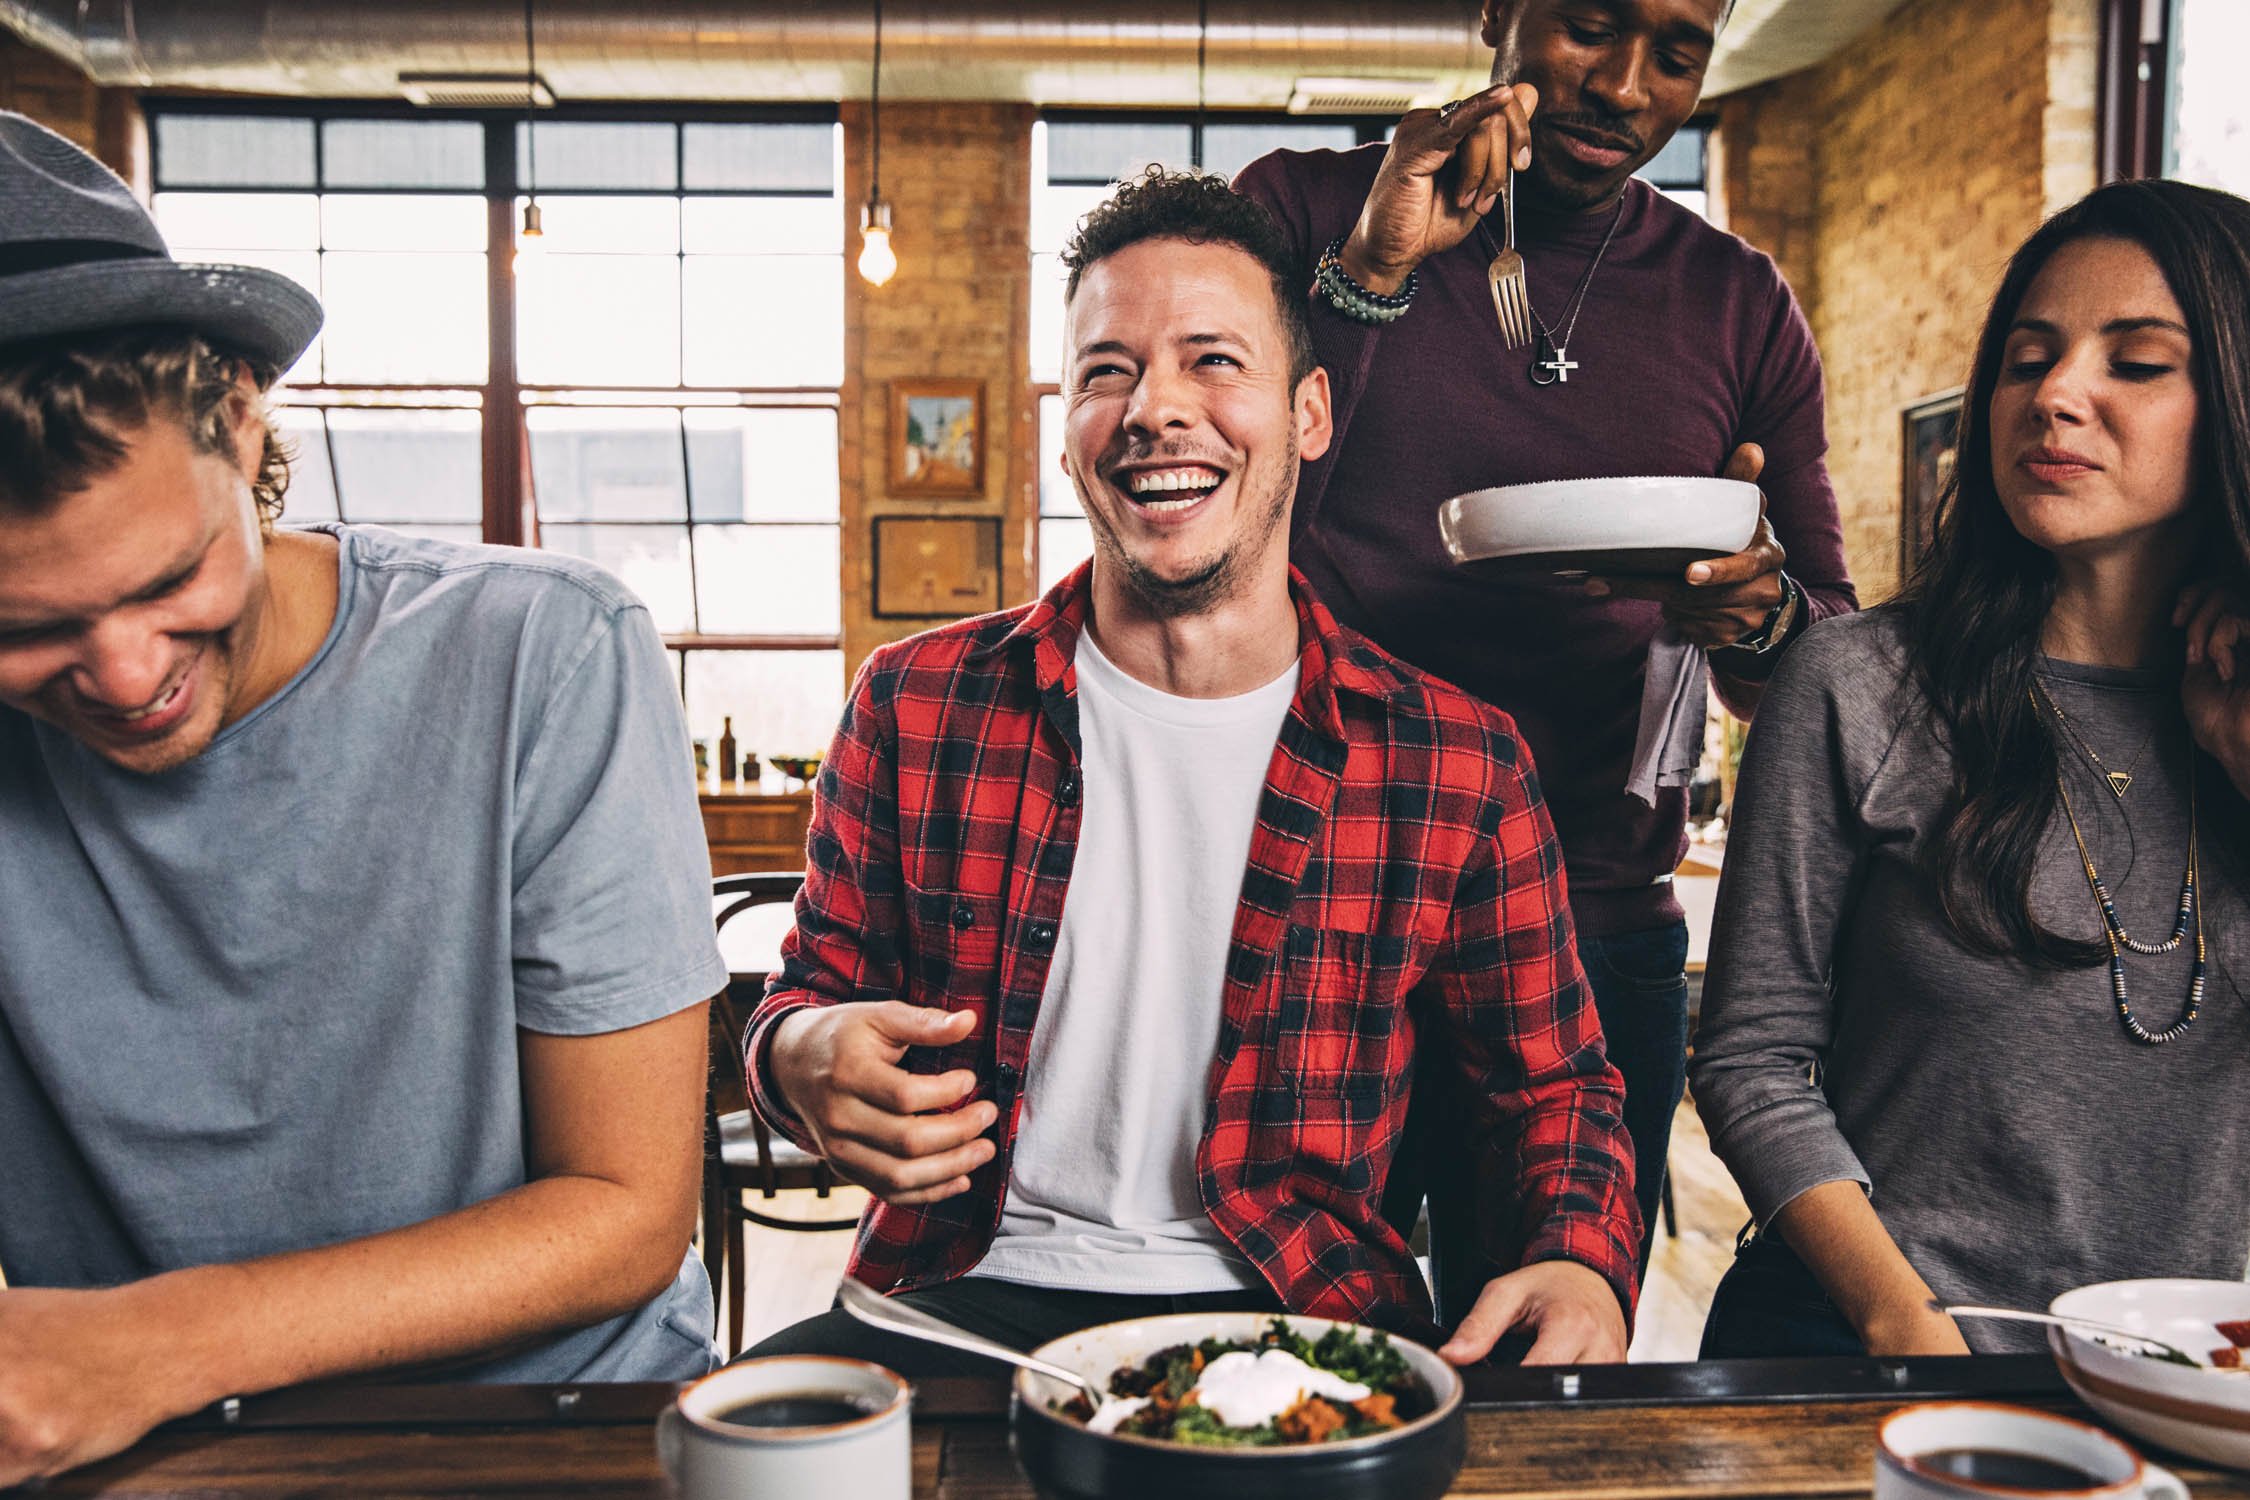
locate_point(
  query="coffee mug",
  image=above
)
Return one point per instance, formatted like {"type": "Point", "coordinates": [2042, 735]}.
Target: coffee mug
{"type": "Point", "coordinates": [792, 1424]}
{"type": "Point", "coordinates": [1948, 1450]}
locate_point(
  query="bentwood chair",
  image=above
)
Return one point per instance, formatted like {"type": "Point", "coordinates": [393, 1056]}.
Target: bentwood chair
{"type": "Point", "coordinates": [741, 1157]}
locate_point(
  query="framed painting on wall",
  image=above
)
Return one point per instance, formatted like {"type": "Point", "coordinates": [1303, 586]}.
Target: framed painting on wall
{"type": "Point", "coordinates": [1930, 430]}
{"type": "Point", "coordinates": [936, 567]}
{"type": "Point", "coordinates": [937, 437]}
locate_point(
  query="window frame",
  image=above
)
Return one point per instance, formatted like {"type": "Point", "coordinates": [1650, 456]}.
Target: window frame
{"type": "Point", "coordinates": [510, 512]}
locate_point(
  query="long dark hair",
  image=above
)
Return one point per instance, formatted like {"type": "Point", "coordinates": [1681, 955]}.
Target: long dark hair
{"type": "Point", "coordinates": [1977, 600]}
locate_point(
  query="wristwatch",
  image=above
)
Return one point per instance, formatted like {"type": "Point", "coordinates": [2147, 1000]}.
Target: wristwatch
{"type": "Point", "coordinates": [1777, 624]}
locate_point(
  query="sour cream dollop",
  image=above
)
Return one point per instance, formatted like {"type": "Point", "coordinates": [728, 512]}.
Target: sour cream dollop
{"type": "Point", "coordinates": [1249, 1390]}
{"type": "Point", "coordinates": [1114, 1412]}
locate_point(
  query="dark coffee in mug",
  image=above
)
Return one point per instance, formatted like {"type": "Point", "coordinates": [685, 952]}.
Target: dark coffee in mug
{"type": "Point", "coordinates": [797, 1409]}
{"type": "Point", "coordinates": [2022, 1470]}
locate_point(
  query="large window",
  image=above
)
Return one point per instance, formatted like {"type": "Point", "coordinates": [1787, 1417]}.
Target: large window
{"type": "Point", "coordinates": [2209, 140]}
{"type": "Point", "coordinates": [670, 392]}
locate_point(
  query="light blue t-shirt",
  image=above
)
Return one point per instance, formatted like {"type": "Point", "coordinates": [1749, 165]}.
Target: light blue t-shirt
{"type": "Point", "coordinates": [269, 1000]}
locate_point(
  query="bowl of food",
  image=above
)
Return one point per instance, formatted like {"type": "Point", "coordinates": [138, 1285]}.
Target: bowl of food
{"type": "Point", "coordinates": [1642, 525]}
{"type": "Point", "coordinates": [1241, 1406]}
{"type": "Point", "coordinates": [796, 767]}
{"type": "Point", "coordinates": [2202, 1409]}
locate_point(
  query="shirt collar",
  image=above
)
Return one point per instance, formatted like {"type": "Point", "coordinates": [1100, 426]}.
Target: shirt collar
{"type": "Point", "coordinates": [1330, 660]}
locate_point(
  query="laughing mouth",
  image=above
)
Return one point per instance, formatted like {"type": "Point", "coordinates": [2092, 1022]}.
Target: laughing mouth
{"type": "Point", "coordinates": [161, 704]}
{"type": "Point", "coordinates": [1172, 488]}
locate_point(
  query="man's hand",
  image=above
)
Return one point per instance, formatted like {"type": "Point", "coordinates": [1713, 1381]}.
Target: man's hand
{"type": "Point", "coordinates": [2215, 689]}
{"type": "Point", "coordinates": [1722, 600]}
{"type": "Point", "coordinates": [1569, 1307]}
{"type": "Point", "coordinates": [906, 1137]}
{"type": "Point", "coordinates": [80, 1379]}
{"type": "Point", "coordinates": [1444, 171]}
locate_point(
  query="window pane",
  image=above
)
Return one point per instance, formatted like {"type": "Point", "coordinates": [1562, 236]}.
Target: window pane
{"type": "Point", "coordinates": [604, 320]}
{"type": "Point", "coordinates": [1048, 281]}
{"type": "Point", "coordinates": [2211, 125]}
{"type": "Point", "coordinates": [770, 226]}
{"type": "Point", "coordinates": [1680, 163]}
{"type": "Point", "coordinates": [233, 151]}
{"type": "Point", "coordinates": [409, 466]}
{"type": "Point", "coordinates": [606, 226]}
{"type": "Point", "coordinates": [760, 158]}
{"type": "Point", "coordinates": [640, 157]}
{"type": "Point", "coordinates": [597, 465]}
{"type": "Point", "coordinates": [782, 702]}
{"type": "Point", "coordinates": [765, 320]}
{"type": "Point", "coordinates": [197, 222]}
{"type": "Point", "coordinates": [769, 580]}
{"type": "Point", "coordinates": [1055, 212]}
{"type": "Point", "coordinates": [402, 221]}
{"type": "Point", "coordinates": [1063, 545]}
{"type": "Point", "coordinates": [1227, 149]}
{"type": "Point", "coordinates": [763, 465]}
{"type": "Point", "coordinates": [402, 154]}
{"type": "Point", "coordinates": [1057, 496]}
{"type": "Point", "coordinates": [404, 318]}
{"type": "Point", "coordinates": [1100, 153]}
{"type": "Point", "coordinates": [312, 488]}
{"type": "Point", "coordinates": [652, 561]}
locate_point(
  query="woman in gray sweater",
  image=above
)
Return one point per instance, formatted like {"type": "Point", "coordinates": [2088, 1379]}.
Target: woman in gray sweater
{"type": "Point", "coordinates": [1977, 1019]}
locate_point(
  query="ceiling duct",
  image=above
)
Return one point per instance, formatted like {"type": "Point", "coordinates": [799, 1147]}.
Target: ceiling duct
{"type": "Point", "coordinates": [1069, 52]}
{"type": "Point", "coordinates": [509, 91]}
{"type": "Point", "coordinates": [1365, 96]}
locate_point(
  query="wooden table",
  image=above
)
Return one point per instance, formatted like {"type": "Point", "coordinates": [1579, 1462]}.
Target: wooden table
{"type": "Point", "coordinates": [1724, 1428]}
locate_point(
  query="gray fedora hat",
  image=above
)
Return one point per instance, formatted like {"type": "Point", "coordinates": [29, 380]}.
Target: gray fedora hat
{"type": "Point", "coordinates": [78, 254]}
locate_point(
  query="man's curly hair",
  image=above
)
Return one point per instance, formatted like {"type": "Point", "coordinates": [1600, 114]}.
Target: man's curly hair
{"type": "Point", "coordinates": [68, 407]}
{"type": "Point", "coordinates": [1203, 210]}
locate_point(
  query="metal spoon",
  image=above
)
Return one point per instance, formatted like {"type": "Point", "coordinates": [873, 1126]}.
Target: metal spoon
{"type": "Point", "coordinates": [878, 1311]}
{"type": "Point", "coordinates": [2106, 1330]}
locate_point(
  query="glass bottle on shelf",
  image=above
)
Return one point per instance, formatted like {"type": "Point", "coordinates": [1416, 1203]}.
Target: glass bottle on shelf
{"type": "Point", "coordinates": [726, 751]}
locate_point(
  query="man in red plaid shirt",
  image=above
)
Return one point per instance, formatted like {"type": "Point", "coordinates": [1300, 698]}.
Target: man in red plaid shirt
{"type": "Point", "coordinates": [1127, 912]}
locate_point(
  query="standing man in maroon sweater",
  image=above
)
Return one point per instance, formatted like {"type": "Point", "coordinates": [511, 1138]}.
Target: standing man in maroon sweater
{"type": "Point", "coordinates": [1661, 346]}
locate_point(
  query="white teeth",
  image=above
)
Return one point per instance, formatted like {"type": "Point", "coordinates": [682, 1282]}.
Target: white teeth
{"type": "Point", "coordinates": [1167, 505]}
{"type": "Point", "coordinates": [159, 705]}
{"type": "Point", "coordinates": [1174, 479]}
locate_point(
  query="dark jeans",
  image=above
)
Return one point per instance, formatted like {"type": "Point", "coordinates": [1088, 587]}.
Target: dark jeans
{"type": "Point", "coordinates": [1769, 1306]}
{"type": "Point", "coordinates": [1641, 993]}
{"type": "Point", "coordinates": [1022, 1317]}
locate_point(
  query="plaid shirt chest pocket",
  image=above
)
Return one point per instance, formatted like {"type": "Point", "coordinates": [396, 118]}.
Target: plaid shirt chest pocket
{"type": "Point", "coordinates": [953, 962]}
{"type": "Point", "coordinates": [1342, 1025]}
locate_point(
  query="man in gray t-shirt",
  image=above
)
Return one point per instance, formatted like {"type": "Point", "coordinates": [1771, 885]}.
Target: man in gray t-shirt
{"type": "Point", "coordinates": [354, 910]}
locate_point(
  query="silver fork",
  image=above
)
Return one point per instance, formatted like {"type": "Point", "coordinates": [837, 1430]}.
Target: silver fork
{"type": "Point", "coordinates": [1510, 298]}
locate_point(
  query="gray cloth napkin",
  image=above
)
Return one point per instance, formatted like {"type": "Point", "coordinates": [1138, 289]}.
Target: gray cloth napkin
{"type": "Point", "coordinates": [1674, 702]}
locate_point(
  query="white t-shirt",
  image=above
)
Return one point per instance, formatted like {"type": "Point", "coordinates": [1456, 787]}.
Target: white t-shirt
{"type": "Point", "coordinates": [1101, 1192]}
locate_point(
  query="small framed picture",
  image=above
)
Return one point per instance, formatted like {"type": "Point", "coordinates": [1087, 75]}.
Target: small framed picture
{"type": "Point", "coordinates": [937, 438]}
{"type": "Point", "coordinates": [1931, 430]}
{"type": "Point", "coordinates": [936, 567]}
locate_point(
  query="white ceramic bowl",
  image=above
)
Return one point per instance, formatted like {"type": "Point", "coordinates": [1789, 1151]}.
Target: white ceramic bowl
{"type": "Point", "coordinates": [1646, 524]}
{"type": "Point", "coordinates": [2203, 1412]}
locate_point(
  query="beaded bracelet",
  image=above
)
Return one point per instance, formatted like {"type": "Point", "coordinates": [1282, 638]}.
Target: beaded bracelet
{"type": "Point", "coordinates": [1355, 301]}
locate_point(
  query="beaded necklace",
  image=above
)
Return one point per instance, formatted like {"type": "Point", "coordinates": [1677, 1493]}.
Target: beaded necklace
{"type": "Point", "coordinates": [2113, 929]}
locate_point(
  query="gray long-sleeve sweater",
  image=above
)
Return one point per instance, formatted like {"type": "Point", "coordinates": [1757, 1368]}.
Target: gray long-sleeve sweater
{"type": "Point", "coordinates": [2015, 1140]}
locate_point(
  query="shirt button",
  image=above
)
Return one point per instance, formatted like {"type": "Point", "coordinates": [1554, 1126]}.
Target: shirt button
{"type": "Point", "coordinates": [1067, 791]}
{"type": "Point", "coordinates": [1041, 934]}
{"type": "Point", "coordinates": [964, 918]}
{"type": "Point", "coordinates": [1004, 1077]}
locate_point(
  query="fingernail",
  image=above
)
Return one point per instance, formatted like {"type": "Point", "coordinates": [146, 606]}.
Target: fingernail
{"type": "Point", "coordinates": [1484, 204]}
{"type": "Point", "coordinates": [1523, 160]}
{"type": "Point", "coordinates": [1698, 574]}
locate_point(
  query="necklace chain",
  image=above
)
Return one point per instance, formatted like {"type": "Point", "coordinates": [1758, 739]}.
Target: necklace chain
{"type": "Point", "coordinates": [2120, 942]}
{"type": "Point", "coordinates": [2118, 780]}
{"type": "Point", "coordinates": [1560, 347]}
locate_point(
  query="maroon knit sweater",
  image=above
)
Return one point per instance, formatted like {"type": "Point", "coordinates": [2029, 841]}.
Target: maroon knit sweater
{"type": "Point", "coordinates": [1689, 344]}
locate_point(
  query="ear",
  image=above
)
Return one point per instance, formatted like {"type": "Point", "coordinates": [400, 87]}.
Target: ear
{"type": "Point", "coordinates": [1493, 24]}
{"type": "Point", "coordinates": [246, 424]}
{"type": "Point", "coordinates": [1315, 424]}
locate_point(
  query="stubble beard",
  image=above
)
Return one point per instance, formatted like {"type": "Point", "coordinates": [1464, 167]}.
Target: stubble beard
{"type": "Point", "coordinates": [1215, 582]}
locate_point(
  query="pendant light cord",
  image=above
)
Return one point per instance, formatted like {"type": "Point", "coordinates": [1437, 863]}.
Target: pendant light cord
{"type": "Point", "coordinates": [1202, 46]}
{"type": "Point", "coordinates": [875, 113]}
{"type": "Point", "coordinates": [530, 104]}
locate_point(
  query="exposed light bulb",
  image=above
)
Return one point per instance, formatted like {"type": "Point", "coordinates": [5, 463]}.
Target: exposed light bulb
{"type": "Point", "coordinates": [878, 263]}
{"type": "Point", "coordinates": [531, 239]}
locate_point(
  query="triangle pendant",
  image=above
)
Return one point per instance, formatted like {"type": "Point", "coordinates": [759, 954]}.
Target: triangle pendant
{"type": "Point", "coordinates": [2119, 780]}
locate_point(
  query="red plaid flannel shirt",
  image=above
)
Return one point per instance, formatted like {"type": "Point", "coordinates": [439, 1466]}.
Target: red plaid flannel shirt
{"type": "Point", "coordinates": [1403, 874]}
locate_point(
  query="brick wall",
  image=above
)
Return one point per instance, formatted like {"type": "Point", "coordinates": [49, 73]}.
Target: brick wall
{"type": "Point", "coordinates": [958, 178]}
{"type": "Point", "coordinates": [106, 122]}
{"type": "Point", "coordinates": [1891, 184]}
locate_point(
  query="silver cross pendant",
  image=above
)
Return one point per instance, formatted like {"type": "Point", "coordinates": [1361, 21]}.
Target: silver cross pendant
{"type": "Point", "coordinates": [1546, 371]}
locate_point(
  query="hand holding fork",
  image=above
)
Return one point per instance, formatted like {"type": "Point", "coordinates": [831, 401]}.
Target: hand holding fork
{"type": "Point", "coordinates": [1443, 173]}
